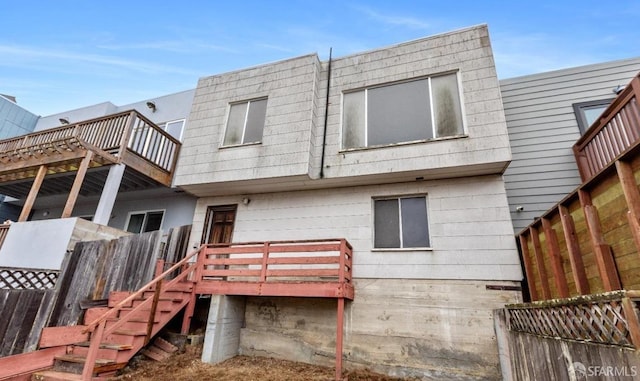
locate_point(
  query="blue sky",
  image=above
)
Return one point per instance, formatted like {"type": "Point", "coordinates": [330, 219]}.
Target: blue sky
{"type": "Point", "coordinates": [61, 55]}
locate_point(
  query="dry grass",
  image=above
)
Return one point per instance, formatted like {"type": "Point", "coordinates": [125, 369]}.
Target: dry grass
{"type": "Point", "coordinates": [188, 367]}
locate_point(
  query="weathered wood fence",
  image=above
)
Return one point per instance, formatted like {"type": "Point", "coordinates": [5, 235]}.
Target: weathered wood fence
{"type": "Point", "coordinates": [579, 339]}
{"type": "Point", "coordinates": [87, 276]}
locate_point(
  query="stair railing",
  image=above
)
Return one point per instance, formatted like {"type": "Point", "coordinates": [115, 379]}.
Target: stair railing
{"type": "Point", "coordinates": [98, 329]}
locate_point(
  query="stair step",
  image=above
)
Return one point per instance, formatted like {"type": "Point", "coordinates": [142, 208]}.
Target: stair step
{"type": "Point", "coordinates": [75, 364]}
{"type": "Point", "coordinates": [155, 353]}
{"type": "Point", "coordinates": [114, 346]}
{"type": "Point", "coordinates": [54, 375]}
{"type": "Point", "coordinates": [81, 359]}
{"type": "Point", "coordinates": [165, 345]}
{"type": "Point", "coordinates": [128, 332]}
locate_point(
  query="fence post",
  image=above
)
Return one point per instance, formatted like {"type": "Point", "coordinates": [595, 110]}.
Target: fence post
{"type": "Point", "coordinates": [633, 322]}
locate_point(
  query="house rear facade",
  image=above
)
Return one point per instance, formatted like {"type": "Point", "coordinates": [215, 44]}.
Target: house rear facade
{"type": "Point", "coordinates": [400, 151]}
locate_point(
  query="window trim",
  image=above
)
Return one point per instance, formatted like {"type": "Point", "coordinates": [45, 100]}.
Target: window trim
{"type": "Point", "coordinates": [400, 249]}
{"type": "Point", "coordinates": [184, 122]}
{"type": "Point", "coordinates": [146, 212]}
{"type": "Point", "coordinates": [365, 89]}
{"type": "Point", "coordinates": [244, 127]}
{"type": "Point", "coordinates": [578, 110]}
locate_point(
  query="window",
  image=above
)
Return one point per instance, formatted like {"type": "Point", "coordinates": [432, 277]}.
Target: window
{"type": "Point", "coordinates": [142, 222]}
{"type": "Point", "coordinates": [174, 128]}
{"type": "Point", "coordinates": [588, 112]}
{"type": "Point", "coordinates": [401, 223]}
{"type": "Point", "coordinates": [403, 112]}
{"type": "Point", "coordinates": [245, 123]}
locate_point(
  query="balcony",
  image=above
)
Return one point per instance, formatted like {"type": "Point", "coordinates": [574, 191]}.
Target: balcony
{"type": "Point", "coordinates": [75, 159]}
{"type": "Point", "coordinates": [615, 132]}
{"type": "Point", "coordinates": [126, 137]}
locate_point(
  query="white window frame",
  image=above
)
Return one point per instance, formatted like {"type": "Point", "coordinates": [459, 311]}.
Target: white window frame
{"type": "Point", "coordinates": [144, 221]}
{"type": "Point", "coordinates": [373, 229]}
{"type": "Point", "coordinates": [244, 127]}
{"type": "Point", "coordinates": [166, 125]}
{"type": "Point", "coordinates": [433, 124]}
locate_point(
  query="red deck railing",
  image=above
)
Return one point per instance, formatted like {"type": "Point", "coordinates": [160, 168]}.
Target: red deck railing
{"type": "Point", "coordinates": [616, 131]}
{"type": "Point", "coordinates": [320, 268]}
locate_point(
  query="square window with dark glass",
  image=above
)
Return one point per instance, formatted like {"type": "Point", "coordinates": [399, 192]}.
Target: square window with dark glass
{"type": "Point", "coordinates": [401, 222]}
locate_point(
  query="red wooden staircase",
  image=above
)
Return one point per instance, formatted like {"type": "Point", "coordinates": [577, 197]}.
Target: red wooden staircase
{"type": "Point", "coordinates": [111, 335]}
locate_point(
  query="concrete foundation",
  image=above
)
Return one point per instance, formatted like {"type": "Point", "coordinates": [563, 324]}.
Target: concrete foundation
{"type": "Point", "coordinates": [222, 338]}
{"type": "Point", "coordinates": [430, 329]}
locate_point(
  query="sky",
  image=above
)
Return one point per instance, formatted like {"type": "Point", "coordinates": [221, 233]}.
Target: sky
{"type": "Point", "coordinates": [61, 55]}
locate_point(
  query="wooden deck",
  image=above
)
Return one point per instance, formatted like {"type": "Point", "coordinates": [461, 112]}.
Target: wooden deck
{"type": "Point", "coordinates": [127, 137]}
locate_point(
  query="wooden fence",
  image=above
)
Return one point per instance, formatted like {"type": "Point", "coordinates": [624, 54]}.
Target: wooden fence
{"type": "Point", "coordinates": [4, 229]}
{"type": "Point", "coordinates": [27, 279]}
{"type": "Point", "coordinates": [610, 318]}
{"type": "Point", "coordinates": [590, 241]}
{"type": "Point", "coordinates": [87, 276]}
{"type": "Point", "coordinates": [527, 356]}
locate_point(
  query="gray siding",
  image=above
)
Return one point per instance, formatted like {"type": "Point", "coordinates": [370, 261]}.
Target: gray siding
{"type": "Point", "coordinates": [542, 129]}
{"type": "Point", "coordinates": [14, 120]}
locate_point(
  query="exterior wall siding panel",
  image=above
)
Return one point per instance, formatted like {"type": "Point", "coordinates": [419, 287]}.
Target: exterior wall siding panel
{"type": "Point", "coordinates": [543, 128]}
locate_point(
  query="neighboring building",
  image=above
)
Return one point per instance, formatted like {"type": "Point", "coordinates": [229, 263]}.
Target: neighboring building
{"type": "Point", "coordinates": [406, 164]}
{"type": "Point", "coordinates": [14, 121]}
{"type": "Point", "coordinates": [546, 114]}
{"type": "Point", "coordinates": [129, 159]}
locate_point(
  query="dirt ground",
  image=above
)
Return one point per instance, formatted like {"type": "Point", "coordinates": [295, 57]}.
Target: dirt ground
{"type": "Point", "coordinates": [188, 367]}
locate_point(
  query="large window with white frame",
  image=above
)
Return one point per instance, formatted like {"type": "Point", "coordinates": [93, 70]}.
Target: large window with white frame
{"type": "Point", "coordinates": [245, 122]}
{"type": "Point", "coordinates": [401, 222]}
{"type": "Point", "coordinates": [417, 110]}
{"type": "Point", "coordinates": [144, 221]}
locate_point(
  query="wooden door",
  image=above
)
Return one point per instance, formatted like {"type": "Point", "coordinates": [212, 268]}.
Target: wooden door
{"type": "Point", "coordinates": [218, 225]}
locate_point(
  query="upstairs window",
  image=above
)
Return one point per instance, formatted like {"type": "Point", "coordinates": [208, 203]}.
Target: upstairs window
{"type": "Point", "coordinates": [401, 222]}
{"type": "Point", "coordinates": [418, 110]}
{"type": "Point", "coordinates": [147, 221]}
{"type": "Point", "coordinates": [175, 128]}
{"type": "Point", "coordinates": [246, 122]}
{"type": "Point", "coordinates": [588, 112]}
